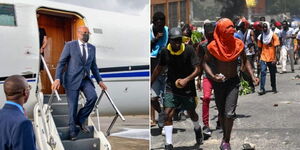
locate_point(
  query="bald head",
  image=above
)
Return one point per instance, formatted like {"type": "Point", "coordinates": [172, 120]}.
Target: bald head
{"type": "Point", "coordinates": [83, 29]}
{"type": "Point", "coordinates": [83, 33]}
{"type": "Point", "coordinates": [15, 88]}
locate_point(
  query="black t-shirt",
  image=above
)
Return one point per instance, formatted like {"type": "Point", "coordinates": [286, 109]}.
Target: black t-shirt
{"type": "Point", "coordinates": [180, 66]}
{"type": "Point", "coordinates": [42, 33]}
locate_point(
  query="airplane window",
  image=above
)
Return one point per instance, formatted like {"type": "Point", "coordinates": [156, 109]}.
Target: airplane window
{"type": "Point", "coordinates": [7, 15]}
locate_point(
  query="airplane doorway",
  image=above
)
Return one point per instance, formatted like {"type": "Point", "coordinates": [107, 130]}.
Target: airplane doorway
{"type": "Point", "coordinates": [60, 27]}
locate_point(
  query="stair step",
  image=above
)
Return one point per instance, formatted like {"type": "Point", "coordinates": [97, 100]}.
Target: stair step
{"type": "Point", "coordinates": [62, 96]}
{"type": "Point", "coordinates": [82, 144]}
{"type": "Point", "coordinates": [61, 120]}
{"type": "Point", "coordinates": [60, 109]}
{"type": "Point", "coordinates": [64, 133]}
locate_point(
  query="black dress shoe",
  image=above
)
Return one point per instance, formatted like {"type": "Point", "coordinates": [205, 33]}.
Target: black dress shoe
{"type": "Point", "coordinates": [274, 91]}
{"type": "Point", "coordinates": [84, 129]}
{"type": "Point", "coordinates": [73, 137]}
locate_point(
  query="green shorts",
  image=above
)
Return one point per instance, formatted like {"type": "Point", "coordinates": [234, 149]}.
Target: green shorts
{"type": "Point", "coordinates": [186, 102]}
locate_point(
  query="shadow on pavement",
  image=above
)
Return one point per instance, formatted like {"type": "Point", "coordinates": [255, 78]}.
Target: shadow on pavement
{"type": "Point", "coordinates": [242, 116]}
{"type": "Point", "coordinates": [195, 147]}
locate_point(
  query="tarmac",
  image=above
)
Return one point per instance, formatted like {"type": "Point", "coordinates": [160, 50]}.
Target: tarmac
{"type": "Point", "coordinates": [267, 122]}
{"type": "Point", "coordinates": [131, 134]}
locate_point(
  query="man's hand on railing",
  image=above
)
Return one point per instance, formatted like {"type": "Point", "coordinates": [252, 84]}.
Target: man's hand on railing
{"type": "Point", "coordinates": [55, 85]}
{"type": "Point", "coordinates": [102, 85]}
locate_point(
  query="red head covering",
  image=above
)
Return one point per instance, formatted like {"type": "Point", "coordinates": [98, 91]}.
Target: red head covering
{"type": "Point", "coordinates": [277, 24]}
{"type": "Point", "coordinates": [225, 47]}
{"type": "Point", "coordinates": [257, 25]}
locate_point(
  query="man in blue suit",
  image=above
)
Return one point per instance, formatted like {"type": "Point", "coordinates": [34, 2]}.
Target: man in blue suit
{"type": "Point", "coordinates": [78, 58]}
{"type": "Point", "coordinates": [16, 131]}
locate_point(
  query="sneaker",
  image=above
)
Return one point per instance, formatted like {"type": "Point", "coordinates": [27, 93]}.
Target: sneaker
{"type": "Point", "coordinates": [161, 119]}
{"type": "Point", "coordinates": [297, 77]}
{"type": "Point", "coordinates": [199, 135]}
{"type": "Point", "coordinates": [206, 132]}
{"type": "Point", "coordinates": [261, 92]}
{"type": "Point", "coordinates": [182, 116]}
{"type": "Point", "coordinates": [169, 147]}
{"type": "Point", "coordinates": [225, 146]}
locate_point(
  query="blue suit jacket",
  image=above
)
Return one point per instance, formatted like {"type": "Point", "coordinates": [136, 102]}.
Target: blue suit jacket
{"type": "Point", "coordinates": [16, 131]}
{"type": "Point", "coordinates": [71, 57]}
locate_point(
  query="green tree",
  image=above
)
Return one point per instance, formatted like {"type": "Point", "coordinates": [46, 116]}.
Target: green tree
{"type": "Point", "coordinates": [283, 6]}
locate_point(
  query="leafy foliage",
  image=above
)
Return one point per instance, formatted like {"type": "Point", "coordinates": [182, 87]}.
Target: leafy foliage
{"type": "Point", "coordinates": [245, 88]}
{"type": "Point", "coordinates": [196, 36]}
{"type": "Point", "coordinates": [283, 6]}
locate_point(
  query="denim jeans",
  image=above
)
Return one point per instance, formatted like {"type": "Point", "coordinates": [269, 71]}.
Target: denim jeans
{"type": "Point", "coordinates": [272, 69]}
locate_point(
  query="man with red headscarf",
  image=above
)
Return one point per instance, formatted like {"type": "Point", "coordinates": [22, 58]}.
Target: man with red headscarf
{"type": "Point", "coordinates": [223, 52]}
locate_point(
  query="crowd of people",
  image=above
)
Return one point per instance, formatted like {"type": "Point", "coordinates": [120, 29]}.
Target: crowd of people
{"type": "Point", "coordinates": [231, 51]}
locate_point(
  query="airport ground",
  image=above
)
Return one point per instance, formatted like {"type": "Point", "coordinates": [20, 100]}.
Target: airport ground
{"type": "Point", "coordinates": [132, 134]}
{"type": "Point", "coordinates": [267, 122]}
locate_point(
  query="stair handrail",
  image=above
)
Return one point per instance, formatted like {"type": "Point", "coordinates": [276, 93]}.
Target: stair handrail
{"type": "Point", "coordinates": [44, 114]}
{"type": "Point", "coordinates": [51, 81]}
{"type": "Point", "coordinates": [117, 111]}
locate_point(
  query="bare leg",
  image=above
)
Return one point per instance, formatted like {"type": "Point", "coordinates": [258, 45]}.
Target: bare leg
{"type": "Point", "coordinates": [152, 116]}
{"type": "Point", "coordinates": [155, 104]}
{"type": "Point", "coordinates": [193, 115]}
{"type": "Point", "coordinates": [169, 115]}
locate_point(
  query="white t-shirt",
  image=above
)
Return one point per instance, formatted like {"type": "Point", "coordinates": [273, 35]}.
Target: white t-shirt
{"type": "Point", "coordinates": [287, 42]}
{"type": "Point", "coordinates": [277, 31]}
{"type": "Point", "coordinates": [246, 38]}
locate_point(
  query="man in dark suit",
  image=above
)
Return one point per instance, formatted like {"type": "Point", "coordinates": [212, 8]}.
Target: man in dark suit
{"type": "Point", "coordinates": [79, 57]}
{"type": "Point", "coordinates": [16, 131]}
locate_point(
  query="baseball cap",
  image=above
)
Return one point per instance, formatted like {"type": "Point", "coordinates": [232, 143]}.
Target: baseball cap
{"type": "Point", "coordinates": [175, 33]}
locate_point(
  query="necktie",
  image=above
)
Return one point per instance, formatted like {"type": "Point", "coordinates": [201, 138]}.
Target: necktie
{"type": "Point", "coordinates": [83, 53]}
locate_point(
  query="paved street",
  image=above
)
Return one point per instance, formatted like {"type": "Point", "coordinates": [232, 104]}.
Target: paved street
{"type": "Point", "coordinates": [259, 122]}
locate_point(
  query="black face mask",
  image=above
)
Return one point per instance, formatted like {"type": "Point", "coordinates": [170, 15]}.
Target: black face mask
{"type": "Point", "coordinates": [85, 37]}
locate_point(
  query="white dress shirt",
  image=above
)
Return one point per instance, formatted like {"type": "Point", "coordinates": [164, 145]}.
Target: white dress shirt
{"type": "Point", "coordinates": [86, 48]}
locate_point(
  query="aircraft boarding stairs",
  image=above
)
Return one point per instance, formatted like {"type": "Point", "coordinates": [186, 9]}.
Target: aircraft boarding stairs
{"type": "Point", "coordinates": [51, 123]}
